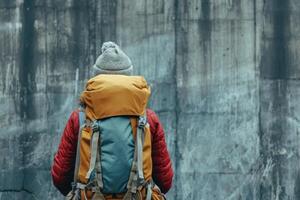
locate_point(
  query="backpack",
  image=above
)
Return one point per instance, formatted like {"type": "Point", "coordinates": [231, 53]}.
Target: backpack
{"type": "Point", "coordinates": [113, 158]}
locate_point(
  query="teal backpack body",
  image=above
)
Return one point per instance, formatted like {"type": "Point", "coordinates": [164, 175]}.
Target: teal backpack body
{"type": "Point", "coordinates": [117, 151]}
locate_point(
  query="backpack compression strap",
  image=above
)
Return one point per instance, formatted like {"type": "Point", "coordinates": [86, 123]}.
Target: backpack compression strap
{"type": "Point", "coordinates": [94, 148]}
{"type": "Point", "coordinates": [136, 178]}
{"type": "Point", "coordinates": [140, 131]}
{"type": "Point", "coordinates": [140, 143]}
{"type": "Point", "coordinates": [95, 163]}
{"type": "Point", "coordinates": [94, 168]}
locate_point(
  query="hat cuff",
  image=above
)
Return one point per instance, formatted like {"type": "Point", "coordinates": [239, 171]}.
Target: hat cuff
{"type": "Point", "coordinates": [127, 71]}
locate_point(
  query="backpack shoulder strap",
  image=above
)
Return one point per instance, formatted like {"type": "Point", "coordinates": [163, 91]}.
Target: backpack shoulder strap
{"type": "Point", "coordinates": [136, 177]}
{"type": "Point", "coordinates": [81, 120]}
{"type": "Point", "coordinates": [142, 121]}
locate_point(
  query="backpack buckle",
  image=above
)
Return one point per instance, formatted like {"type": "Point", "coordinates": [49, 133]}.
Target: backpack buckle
{"type": "Point", "coordinates": [73, 185]}
{"type": "Point", "coordinates": [142, 122]}
{"type": "Point", "coordinates": [95, 126]}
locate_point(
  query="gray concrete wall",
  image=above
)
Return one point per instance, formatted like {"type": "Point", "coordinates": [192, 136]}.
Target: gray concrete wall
{"type": "Point", "coordinates": [224, 75]}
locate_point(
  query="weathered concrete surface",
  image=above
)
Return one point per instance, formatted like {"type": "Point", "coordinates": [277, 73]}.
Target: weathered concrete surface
{"type": "Point", "coordinates": [217, 92]}
{"type": "Point", "coordinates": [224, 77]}
{"type": "Point", "coordinates": [279, 93]}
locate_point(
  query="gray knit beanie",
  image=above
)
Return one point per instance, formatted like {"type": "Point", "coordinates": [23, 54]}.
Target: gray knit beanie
{"type": "Point", "coordinates": [112, 61]}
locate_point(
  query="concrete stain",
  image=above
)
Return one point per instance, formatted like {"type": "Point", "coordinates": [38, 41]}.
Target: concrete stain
{"type": "Point", "coordinates": [28, 69]}
{"type": "Point", "coordinates": [108, 20]}
{"type": "Point", "coordinates": [205, 30]}
{"type": "Point", "coordinates": [77, 30]}
{"type": "Point", "coordinates": [92, 9]}
{"type": "Point", "coordinates": [181, 52]}
{"type": "Point", "coordinates": [275, 62]}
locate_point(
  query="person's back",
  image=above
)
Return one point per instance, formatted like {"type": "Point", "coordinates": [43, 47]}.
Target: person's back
{"type": "Point", "coordinates": [118, 152]}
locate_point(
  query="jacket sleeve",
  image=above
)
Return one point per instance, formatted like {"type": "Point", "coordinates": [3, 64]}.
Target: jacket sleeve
{"type": "Point", "coordinates": [64, 160]}
{"type": "Point", "coordinates": [162, 166]}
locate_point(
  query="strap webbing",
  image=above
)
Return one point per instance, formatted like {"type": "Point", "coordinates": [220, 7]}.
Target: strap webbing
{"type": "Point", "coordinates": [140, 152]}
{"type": "Point", "coordinates": [149, 191]}
{"type": "Point", "coordinates": [97, 194]}
{"type": "Point", "coordinates": [99, 170]}
{"type": "Point", "coordinates": [140, 143]}
{"type": "Point", "coordinates": [136, 174]}
{"type": "Point", "coordinates": [81, 186]}
{"type": "Point", "coordinates": [132, 181]}
{"type": "Point", "coordinates": [94, 151]}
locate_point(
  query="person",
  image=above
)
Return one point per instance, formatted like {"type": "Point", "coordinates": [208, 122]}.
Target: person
{"type": "Point", "coordinates": [112, 61]}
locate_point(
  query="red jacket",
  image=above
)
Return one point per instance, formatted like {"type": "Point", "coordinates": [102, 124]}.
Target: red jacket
{"type": "Point", "coordinates": [64, 160]}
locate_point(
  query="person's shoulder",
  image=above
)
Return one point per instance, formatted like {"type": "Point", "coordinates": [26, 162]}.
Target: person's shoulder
{"type": "Point", "coordinates": [152, 117]}
{"type": "Point", "coordinates": [74, 116]}
{"type": "Point", "coordinates": [149, 111]}
{"type": "Point", "coordinates": [74, 113]}
{"type": "Point", "coordinates": [151, 114]}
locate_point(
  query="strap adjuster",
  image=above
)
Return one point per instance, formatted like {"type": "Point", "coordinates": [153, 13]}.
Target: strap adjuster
{"type": "Point", "coordinates": [142, 122]}
{"type": "Point", "coordinates": [74, 186]}
{"type": "Point", "coordinates": [95, 126]}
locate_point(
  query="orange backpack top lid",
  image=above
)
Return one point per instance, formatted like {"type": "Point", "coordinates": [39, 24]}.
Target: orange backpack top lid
{"type": "Point", "coordinates": [115, 95]}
